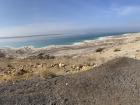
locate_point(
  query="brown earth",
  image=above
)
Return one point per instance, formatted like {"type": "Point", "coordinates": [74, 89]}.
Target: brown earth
{"type": "Point", "coordinates": [14, 69]}
{"type": "Point", "coordinates": [116, 82]}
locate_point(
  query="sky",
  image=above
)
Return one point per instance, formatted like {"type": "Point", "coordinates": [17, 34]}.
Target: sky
{"type": "Point", "coordinates": [36, 17]}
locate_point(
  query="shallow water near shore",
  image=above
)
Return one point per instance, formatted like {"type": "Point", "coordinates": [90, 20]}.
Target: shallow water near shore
{"type": "Point", "coordinates": [49, 40]}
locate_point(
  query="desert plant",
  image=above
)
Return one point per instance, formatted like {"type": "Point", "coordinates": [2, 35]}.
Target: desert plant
{"type": "Point", "coordinates": [100, 49]}
{"type": "Point", "coordinates": [117, 49]}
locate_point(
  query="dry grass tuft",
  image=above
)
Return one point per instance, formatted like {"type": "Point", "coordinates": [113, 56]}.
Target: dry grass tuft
{"type": "Point", "coordinates": [117, 49]}
{"type": "Point", "coordinates": [100, 49]}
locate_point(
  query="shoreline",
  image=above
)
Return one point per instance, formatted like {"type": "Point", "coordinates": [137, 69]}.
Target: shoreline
{"type": "Point", "coordinates": [24, 63]}
{"type": "Point", "coordinates": [74, 49]}
{"type": "Point", "coordinates": [67, 45]}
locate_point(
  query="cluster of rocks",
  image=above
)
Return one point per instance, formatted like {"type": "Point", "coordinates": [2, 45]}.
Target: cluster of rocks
{"type": "Point", "coordinates": [42, 56]}
{"type": "Point", "coordinates": [84, 66]}
{"type": "Point", "coordinates": [16, 71]}
{"type": "Point", "coordinates": [3, 71]}
{"type": "Point", "coordinates": [41, 66]}
{"type": "Point", "coordinates": [60, 65]}
{"type": "Point", "coordinates": [74, 67]}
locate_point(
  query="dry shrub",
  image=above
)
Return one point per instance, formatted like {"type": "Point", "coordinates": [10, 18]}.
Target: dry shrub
{"type": "Point", "coordinates": [117, 49]}
{"type": "Point", "coordinates": [100, 49]}
{"type": "Point", "coordinates": [2, 55]}
{"type": "Point", "coordinates": [45, 74]}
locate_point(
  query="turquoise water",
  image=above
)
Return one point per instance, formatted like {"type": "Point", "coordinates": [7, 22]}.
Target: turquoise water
{"type": "Point", "coordinates": [45, 41]}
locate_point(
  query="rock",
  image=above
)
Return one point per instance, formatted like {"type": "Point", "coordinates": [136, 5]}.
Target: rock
{"type": "Point", "coordinates": [40, 66]}
{"type": "Point", "coordinates": [20, 51]}
{"type": "Point", "coordinates": [80, 66]}
{"type": "Point", "coordinates": [3, 70]}
{"type": "Point", "coordinates": [32, 66]}
{"type": "Point", "coordinates": [61, 65]}
{"type": "Point", "coordinates": [92, 64]}
{"type": "Point", "coordinates": [9, 72]}
{"type": "Point", "coordinates": [86, 68]}
{"type": "Point", "coordinates": [44, 56]}
{"type": "Point", "coordinates": [10, 57]}
{"type": "Point", "coordinates": [40, 56]}
{"type": "Point", "coordinates": [73, 66]}
{"type": "Point", "coordinates": [87, 64]}
{"type": "Point", "coordinates": [9, 65]}
{"type": "Point", "coordinates": [49, 56]}
{"type": "Point", "coordinates": [53, 65]}
{"type": "Point", "coordinates": [95, 65]}
{"type": "Point", "coordinates": [20, 72]}
{"type": "Point", "coordinates": [77, 68]}
{"type": "Point", "coordinates": [67, 71]}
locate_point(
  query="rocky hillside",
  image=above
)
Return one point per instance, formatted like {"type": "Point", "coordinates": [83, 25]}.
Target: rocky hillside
{"type": "Point", "coordinates": [114, 83]}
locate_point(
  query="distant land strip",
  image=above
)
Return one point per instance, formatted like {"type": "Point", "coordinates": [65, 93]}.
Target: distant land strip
{"type": "Point", "coordinates": [27, 36]}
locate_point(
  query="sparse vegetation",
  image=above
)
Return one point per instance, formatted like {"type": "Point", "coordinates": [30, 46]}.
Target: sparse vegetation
{"type": "Point", "coordinates": [100, 49]}
{"type": "Point", "coordinates": [42, 56]}
{"type": "Point", "coordinates": [117, 49]}
{"type": "Point", "coordinates": [44, 68]}
{"type": "Point", "coordinates": [2, 55]}
{"type": "Point", "coordinates": [47, 74]}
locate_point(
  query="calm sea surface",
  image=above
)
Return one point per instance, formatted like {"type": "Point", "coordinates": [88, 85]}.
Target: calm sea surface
{"type": "Point", "coordinates": [45, 41]}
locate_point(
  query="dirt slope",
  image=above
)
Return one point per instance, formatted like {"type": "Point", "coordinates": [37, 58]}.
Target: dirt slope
{"type": "Point", "coordinates": [114, 83]}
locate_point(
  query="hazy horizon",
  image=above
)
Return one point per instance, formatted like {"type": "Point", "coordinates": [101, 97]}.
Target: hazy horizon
{"type": "Point", "coordinates": [37, 17]}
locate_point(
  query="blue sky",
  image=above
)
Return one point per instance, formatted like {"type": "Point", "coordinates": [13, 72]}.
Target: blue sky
{"type": "Point", "coordinates": [27, 17]}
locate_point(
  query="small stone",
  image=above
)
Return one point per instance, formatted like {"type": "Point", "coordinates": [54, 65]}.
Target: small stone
{"type": "Point", "coordinates": [80, 66]}
{"type": "Point", "coordinates": [86, 68]}
{"type": "Point", "coordinates": [66, 84]}
{"type": "Point", "coordinates": [92, 64]}
{"type": "Point", "coordinates": [87, 64]}
{"type": "Point", "coordinates": [21, 72]}
{"type": "Point", "coordinates": [77, 68]}
{"type": "Point", "coordinates": [9, 65]}
{"type": "Point", "coordinates": [61, 65]}
{"type": "Point", "coordinates": [39, 66]}
{"type": "Point", "coordinates": [53, 65]}
{"type": "Point", "coordinates": [67, 71]}
{"type": "Point", "coordinates": [32, 65]}
{"type": "Point", "coordinates": [73, 66]}
{"type": "Point", "coordinates": [95, 65]}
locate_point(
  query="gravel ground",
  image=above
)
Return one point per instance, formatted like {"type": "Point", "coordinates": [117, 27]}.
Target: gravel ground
{"type": "Point", "coordinates": [114, 83]}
